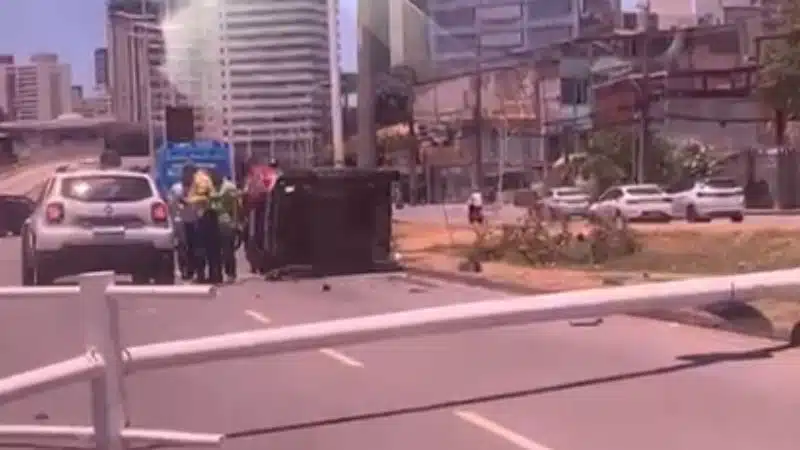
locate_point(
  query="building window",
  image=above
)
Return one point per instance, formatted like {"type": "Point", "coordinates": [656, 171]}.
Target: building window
{"type": "Point", "coordinates": [548, 9]}
{"type": "Point", "coordinates": [447, 43]}
{"type": "Point", "coordinates": [574, 91]}
{"type": "Point", "coordinates": [502, 40]}
{"type": "Point", "coordinates": [461, 17]}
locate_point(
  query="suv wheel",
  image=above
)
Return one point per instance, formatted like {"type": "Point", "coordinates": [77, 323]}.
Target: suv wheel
{"type": "Point", "coordinates": [737, 218]}
{"type": "Point", "coordinates": [140, 278]}
{"type": "Point", "coordinates": [165, 270]}
{"type": "Point", "coordinates": [28, 272]}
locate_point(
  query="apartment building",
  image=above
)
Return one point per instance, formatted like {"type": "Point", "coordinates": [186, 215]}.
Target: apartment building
{"type": "Point", "coordinates": [37, 90]}
{"type": "Point", "coordinates": [463, 32]}
{"type": "Point", "coordinates": [96, 105]}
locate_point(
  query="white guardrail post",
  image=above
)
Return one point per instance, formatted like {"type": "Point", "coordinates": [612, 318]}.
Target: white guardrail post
{"type": "Point", "coordinates": [102, 366]}
{"type": "Point", "coordinates": [103, 337]}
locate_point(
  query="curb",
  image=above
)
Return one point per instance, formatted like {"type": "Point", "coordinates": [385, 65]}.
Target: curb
{"type": "Point", "coordinates": [772, 212]}
{"type": "Point", "coordinates": [690, 317]}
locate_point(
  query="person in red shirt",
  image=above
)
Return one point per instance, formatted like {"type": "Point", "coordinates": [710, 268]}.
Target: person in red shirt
{"type": "Point", "coordinates": [261, 179]}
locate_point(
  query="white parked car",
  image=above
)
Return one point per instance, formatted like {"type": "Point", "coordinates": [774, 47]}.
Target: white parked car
{"type": "Point", "coordinates": [634, 202]}
{"type": "Point", "coordinates": [567, 200]}
{"type": "Point", "coordinates": [708, 199]}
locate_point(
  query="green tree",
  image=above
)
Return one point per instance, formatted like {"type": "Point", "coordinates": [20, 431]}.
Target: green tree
{"type": "Point", "coordinates": [780, 69]}
{"type": "Point", "coordinates": [608, 158]}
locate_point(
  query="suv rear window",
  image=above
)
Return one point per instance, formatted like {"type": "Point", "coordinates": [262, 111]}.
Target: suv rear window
{"type": "Point", "coordinates": [104, 188]}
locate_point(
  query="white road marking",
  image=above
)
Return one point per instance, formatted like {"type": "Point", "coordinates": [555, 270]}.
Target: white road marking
{"type": "Point", "coordinates": [329, 352]}
{"type": "Point", "coordinates": [257, 316]}
{"type": "Point", "coordinates": [341, 357]}
{"type": "Point", "coordinates": [498, 430]}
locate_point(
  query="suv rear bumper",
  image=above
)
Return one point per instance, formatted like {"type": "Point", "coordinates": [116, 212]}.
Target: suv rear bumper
{"type": "Point", "coordinates": [51, 239]}
{"type": "Point", "coordinates": [124, 259]}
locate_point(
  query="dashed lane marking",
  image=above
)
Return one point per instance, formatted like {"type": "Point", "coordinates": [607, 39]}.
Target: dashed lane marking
{"type": "Point", "coordinates": [331, 353]}
{"type": "Point", "coordinates": [341, 357]}
{"type": "Point", "coordinates": [498, 430]}
{"type": "Point", "coordinates": [257, 316]}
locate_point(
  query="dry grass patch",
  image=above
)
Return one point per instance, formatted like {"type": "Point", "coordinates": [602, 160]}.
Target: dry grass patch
{"type": "Point", "coordinates": [685, 251]}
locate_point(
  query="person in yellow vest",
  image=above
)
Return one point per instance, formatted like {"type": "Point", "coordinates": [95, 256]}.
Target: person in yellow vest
{"type": "Point", "coordinates": [200, 196]}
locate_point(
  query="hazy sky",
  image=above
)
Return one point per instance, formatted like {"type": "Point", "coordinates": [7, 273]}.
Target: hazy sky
{"type": "Point", "coordinates": [74, 28]}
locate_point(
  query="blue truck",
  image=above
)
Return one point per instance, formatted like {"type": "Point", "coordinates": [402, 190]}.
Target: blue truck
{"type": "Point", "coordinates": [205, 154]}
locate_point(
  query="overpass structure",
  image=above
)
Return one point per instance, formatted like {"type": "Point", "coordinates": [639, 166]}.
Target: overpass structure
{"type": "Point", "coordinates": [65, 124]}
{"type": "Point", "coordinates": [70, 129]}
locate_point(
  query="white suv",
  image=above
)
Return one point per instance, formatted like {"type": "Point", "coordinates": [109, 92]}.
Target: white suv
{"type": "Point", "coordinates": [710, 198]}
{"type": "Point", "coordinates": [89, 220]}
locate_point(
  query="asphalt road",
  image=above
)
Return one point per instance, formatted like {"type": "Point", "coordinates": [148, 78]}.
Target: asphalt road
{"type": "Point", "coordinates": [456, 215]}
{"type": "Point", "coordinates": [22, 180]}
{"type": "Point", "coordinates": [626, 384]}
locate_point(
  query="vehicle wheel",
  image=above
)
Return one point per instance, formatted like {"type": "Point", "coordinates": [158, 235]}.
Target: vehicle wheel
{"type": "Point", "coordinates": [140, 278]}
{"type": "Point", "coordinates": [691, 214]}
{"type": "Point", "coordinates": [28, 272]}
{"type": "Point", "coordinates": [165, 273]}
{"type": "Point", "coordinates": [43, 277]}
{"type": "Point", "coordinates": [737, 218]}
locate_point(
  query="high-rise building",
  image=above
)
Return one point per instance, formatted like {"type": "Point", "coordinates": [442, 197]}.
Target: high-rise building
{"type": "Point", "coordinates": [139, 87]}
{"type": "Point", "coordinates": [37, 90]}
{"type": "Point", "coordinates": [7, 84]}
{"type": "Point", "coordinates": [101, 68]}
{"type": "Point", "coordinates": [134, 52]}
{"type": "Point", "coordinates": [277, 64]}
{"type": "Point", "coordinates": [76, 96]}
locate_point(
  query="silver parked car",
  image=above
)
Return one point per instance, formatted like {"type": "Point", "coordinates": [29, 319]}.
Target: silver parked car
{"type": "Point", "coordinates": [98, 219]}
{"type": "Point", "coordinates": [566, 201]}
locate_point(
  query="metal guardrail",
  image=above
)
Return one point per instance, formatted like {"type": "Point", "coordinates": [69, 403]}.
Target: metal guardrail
{"type": "Point", "coordinates": [105, 363]}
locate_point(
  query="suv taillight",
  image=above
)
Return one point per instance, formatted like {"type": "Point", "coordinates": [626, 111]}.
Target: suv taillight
{"type": "Point", "coordinates": [54, 213]}
{"type": "Point", "coordinates": [159, 212]}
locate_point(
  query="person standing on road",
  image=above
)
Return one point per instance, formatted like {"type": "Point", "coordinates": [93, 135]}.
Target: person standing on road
{"type": "Point", "coordinates": [185, 216]}
{"type": "Point", "coordinates": [200, 196]}
{"type": "Point", "coordinates": [225, 203]}
{"type": "Point", "coordinates": [261, 179]}
{"type": "Point", "coordinates": [475, 207]}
